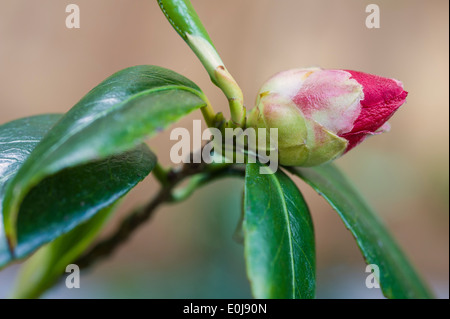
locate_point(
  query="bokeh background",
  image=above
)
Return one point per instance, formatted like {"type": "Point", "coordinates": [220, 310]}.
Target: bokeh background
{"type": "Point", "coordinates": [187, 251]}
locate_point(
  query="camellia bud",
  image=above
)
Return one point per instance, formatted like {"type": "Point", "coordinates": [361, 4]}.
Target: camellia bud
{"type": "Point", "coordinates": [321, 114]}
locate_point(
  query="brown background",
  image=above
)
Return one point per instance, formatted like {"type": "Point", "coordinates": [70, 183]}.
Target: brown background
{"type": "Point", "coordinates": [187, 251]}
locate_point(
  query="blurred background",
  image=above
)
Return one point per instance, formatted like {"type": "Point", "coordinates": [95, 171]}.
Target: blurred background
{"type": "Point", "coordinates": [187, 251]}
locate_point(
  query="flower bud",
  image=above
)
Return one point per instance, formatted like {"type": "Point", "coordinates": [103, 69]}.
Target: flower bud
{"type": "Point", "coordinates": [321, 114]}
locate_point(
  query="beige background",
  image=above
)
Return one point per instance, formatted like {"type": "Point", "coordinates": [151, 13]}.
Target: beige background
{"type": "Point", "coordinates": [187, 251]}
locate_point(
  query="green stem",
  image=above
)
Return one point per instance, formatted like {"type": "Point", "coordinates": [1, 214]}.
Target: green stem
{"type": "Point", "coordinates": [208, 113]}
{"type": "Point", "coordinates": [233, 92]}
{"type": "Point", "coordinates": [160, 174]}
{"type": "Point", "coordinates": [184, 19]}
{"type": "Point", "coordinates": [197, 181]}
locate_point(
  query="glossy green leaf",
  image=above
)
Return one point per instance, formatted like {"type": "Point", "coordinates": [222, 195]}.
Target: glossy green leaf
{"type": "Point", "coordinates": [67, 198]}
{"type": "Point", "coordinates": [49, 263]}
{"type": "Point", "coordinates": [114, 117]}
{"type": "Point", "coordinates": [17, 140]}
{"type": "Point", "coordinates": [278, 237]}
{"type": "Point", "coordinates": [398, 279]}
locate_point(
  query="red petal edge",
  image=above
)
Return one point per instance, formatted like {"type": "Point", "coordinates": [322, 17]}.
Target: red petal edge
{"type": "Point", "coordinates": [382, 97]}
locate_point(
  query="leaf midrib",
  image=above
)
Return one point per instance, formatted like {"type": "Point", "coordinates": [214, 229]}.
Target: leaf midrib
{"type": "Point", "coordinates": [415, 288]}
{"type": "Point", "coordinates": [288, 225]}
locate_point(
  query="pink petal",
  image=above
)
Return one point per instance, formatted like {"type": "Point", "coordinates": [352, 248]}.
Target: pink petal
{"type": "Point", "coordinates": [331, 98]}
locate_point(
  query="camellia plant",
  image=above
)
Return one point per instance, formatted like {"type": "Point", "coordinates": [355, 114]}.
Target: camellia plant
{"type": "Point", "coordinates": [62, 176]}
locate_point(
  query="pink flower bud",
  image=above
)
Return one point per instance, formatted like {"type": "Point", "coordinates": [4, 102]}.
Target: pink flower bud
{"type": "Point", "coordinates": [321, 114]}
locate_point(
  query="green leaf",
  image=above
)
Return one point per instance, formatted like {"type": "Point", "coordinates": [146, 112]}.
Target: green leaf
{"type": "Point", "coordinates": [278, 237]}
{"type": "Point", "coordinates": [114, 117]}
{"type": "Point", "coordinates": [398, 279]}
{"type": "Point", "coordinates": [48, 264]}
{"type": "Point", "coordinates": [62, 201]}
{"type": "Point", "coordinates": [17, 140]}
{"type": "Point", "coordinates": [65, 199]}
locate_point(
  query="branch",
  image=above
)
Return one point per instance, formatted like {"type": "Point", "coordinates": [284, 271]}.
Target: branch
{"type": "Point", "coordinates": [126, 228]}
